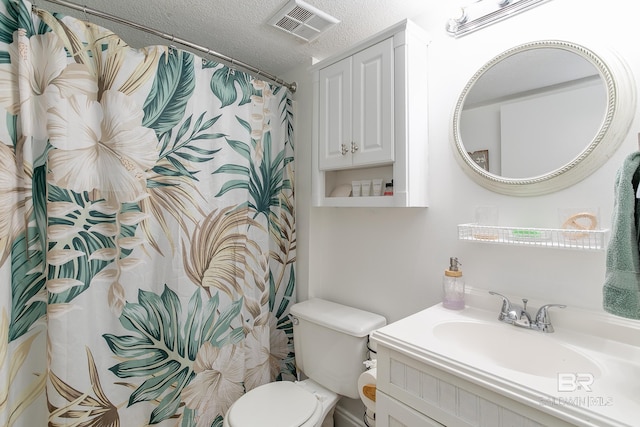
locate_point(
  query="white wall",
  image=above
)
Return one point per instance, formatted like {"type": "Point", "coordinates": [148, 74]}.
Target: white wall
{"type": "Point", "coordinates": [391, 261]}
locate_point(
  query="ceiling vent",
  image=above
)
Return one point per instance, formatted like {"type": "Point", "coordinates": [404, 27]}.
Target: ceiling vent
{"type": "Point", "coordinates": [302, 20]}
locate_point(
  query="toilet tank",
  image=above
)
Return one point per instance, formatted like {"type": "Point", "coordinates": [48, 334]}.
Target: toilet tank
{"type": "Point", "coordinates": [330, 341]}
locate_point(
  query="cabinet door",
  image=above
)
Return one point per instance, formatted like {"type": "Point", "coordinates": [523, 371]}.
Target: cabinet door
{"type": "Point", "coordinates": [334, 133]}
{"type": "Point", "coordinates": [373, 81]}
{"type": "Point", "coordinates": [392, 413]}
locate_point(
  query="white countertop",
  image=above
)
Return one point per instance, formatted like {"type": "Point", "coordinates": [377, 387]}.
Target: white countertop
{"type": "Point", "coordinates": [534, 368]}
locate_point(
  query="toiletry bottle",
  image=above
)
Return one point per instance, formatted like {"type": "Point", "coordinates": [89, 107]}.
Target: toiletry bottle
{"type": "Point", "coordinates": [453, 286]}
{"type": "Point", "coordinates": [388, 188]}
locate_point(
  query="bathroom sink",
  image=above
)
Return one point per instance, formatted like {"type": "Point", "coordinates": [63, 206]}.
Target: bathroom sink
{"type": "Point", "coordinates": [525, 351]}
{"type": "Point", "coordinates": [585, 372]}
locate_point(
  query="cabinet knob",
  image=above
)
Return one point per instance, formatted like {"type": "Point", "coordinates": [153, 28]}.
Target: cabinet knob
{"type": "Point", "coordinates": [343, 149]}
{"type": "Point", "coordinates": [354, 147]}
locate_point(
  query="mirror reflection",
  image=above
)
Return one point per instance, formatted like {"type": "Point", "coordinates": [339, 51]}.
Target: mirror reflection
{"type": "Point", "coordinates": [532, 112]}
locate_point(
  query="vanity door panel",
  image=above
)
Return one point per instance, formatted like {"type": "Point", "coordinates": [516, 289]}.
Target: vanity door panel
{"type": "Point", "coordinates": [449, 399]}
{"type": "Point", "coordinates": [391, 413]}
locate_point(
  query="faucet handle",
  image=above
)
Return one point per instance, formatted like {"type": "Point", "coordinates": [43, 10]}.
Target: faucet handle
{"type": "Point", "coordinates": [543, 320]}
{"type": "Point", "coordinates": [506, 305]}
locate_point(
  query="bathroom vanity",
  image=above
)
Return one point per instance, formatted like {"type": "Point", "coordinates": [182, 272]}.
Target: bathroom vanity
{"type": "Point", "coordinates": [466, 368]}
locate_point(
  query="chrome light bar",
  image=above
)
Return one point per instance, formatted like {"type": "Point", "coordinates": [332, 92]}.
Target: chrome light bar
{"type": "Point", "coordinates": [486, 12]}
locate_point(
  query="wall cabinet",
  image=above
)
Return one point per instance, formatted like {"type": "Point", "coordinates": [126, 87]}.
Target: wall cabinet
{"type": "Point", "coordinates": [370, 119]}
{"type": "Point", "coordinates": [356, 109]}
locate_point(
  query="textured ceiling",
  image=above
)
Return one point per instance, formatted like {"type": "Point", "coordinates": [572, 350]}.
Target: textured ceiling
{"type": "Point", "coordinates": [239, 29]}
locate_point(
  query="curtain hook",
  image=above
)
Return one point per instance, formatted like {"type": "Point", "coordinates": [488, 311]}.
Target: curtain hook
{"type": "Point", "coordinates": [84, 10]}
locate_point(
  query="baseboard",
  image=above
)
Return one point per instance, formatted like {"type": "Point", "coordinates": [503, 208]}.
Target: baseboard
{"type": "Point", "coordinates": [344, 418]}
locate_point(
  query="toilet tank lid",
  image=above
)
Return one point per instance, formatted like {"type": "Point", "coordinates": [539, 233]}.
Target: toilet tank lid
{"type": "Point", "coordinates": [348, 320]}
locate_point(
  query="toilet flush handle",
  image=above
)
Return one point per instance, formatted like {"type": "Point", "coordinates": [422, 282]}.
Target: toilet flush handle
{"type": "Point", "coordinates": [294, 319]}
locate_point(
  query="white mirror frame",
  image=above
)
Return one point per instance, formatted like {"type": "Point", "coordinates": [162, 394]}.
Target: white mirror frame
{"type": "Point", "coordinates": [621, 105]}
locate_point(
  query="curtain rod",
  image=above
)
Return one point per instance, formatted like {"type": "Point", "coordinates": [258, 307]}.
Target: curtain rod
{"type": "Point", "coordinates": [234, 62]}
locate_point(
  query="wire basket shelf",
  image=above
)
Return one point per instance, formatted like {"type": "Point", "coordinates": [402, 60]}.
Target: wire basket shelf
{"type": "Point", "coordinates": [587, 240]}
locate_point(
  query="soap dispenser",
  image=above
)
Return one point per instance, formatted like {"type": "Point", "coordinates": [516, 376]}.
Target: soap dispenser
{"type": "Point", "coordinates": [453, 286]}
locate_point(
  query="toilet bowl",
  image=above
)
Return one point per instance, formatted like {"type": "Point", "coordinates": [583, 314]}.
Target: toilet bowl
{"type": "Point", "coordinates": [284, 404]}
{"type": "Point", "coordinates": [330, 343]}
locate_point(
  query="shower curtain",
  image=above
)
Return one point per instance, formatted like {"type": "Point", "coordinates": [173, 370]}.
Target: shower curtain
{"type": "Point", "coordinates": [147, 229]}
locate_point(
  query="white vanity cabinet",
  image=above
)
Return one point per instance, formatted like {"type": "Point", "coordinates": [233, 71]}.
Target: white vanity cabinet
{"type": "Point", "coordinates": [465, 368]}
{"type": "Point", "coordinates": [370, 119]}
{"type": "Point", "coordinates": [415, 394]}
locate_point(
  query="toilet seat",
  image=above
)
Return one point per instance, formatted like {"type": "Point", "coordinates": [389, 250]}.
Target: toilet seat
{"type": "Point", "coordinates": [276, 404]}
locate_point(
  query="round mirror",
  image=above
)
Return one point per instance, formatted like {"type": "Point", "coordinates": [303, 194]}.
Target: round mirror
{"type": "Point", "coordinates": [542, 116]}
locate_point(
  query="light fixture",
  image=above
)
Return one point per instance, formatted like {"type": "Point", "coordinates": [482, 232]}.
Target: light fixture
{"type": "Point", "coordinates": [485, 12]}
{"type": "Point", "coordinates": [459, 16]}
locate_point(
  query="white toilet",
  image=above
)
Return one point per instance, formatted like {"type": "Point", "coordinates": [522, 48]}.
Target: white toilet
{"type": "Point", "coordinates": [330, 342]}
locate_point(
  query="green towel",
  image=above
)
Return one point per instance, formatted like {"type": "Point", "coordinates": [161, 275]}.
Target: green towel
{"type": "Point", "coordinates": [621, 291]}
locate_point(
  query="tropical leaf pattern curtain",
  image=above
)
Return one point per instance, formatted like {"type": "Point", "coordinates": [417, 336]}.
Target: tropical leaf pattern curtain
{"type": "Point", "coordinates": [147, 229]}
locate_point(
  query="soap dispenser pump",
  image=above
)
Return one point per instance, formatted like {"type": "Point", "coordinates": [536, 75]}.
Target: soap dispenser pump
{"type": "Point", "coordinates": [453, 286]}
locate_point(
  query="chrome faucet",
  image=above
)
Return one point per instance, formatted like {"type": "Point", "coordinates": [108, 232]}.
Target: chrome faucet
{"type": "Point", "coordinates": [517, 315]}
